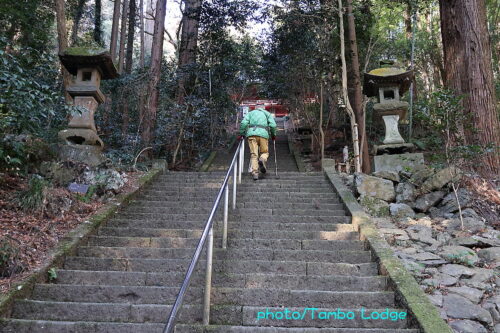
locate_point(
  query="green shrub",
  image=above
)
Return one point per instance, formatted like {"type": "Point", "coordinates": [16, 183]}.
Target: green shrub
{"type": "Point", "coordinates": [33, 199]}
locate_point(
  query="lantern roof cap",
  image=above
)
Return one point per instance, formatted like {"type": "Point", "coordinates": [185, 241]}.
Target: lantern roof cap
{"type": "Point", "coordinates": [74, 58]}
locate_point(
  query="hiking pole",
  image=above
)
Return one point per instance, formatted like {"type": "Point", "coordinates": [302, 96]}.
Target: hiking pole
{"type": "Point", "coordinates": [275, 160]}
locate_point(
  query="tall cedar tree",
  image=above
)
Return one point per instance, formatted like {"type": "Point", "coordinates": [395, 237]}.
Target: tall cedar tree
{"type": "Point", "coordinates": [97, 23]}
{"type": "Point", "coordinates": [188, 46]}
{"type": "Point", "coordinates": [468, 72]}
{"type": "Point", "coordinates": [355, 95]}
{"type": "Point", "coordinates": [76, 21]}
{"type": "Point", "coordinates": [123, 36]}
{"type": "Point", "coordinates": [115, 29]}
{"type": "Point", "coordinates": [128, 60]}
{"type": "Point", "coordinates": [62, 39]}
{"type": "Point", "coordinates": [151, 103]}
{"type": "Point", "coordinates": [130, 37]}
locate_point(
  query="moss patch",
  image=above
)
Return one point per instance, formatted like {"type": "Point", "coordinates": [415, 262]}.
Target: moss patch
{"type": "Point", "coordinates": [84, 51]}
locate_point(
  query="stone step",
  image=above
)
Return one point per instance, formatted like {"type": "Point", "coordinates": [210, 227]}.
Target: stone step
{"type": "Point", "coordinates": [250, 280]}
{"type": "Point", "coordinates": [186, 328]}
{"type": "Point", "coordinates": [232, 233]}
{"type": "Point", "coordinates": [352, 257]}
{"type": "Point", "coordinates": [219, 295]}
{"type": "Point", "coordinates": [243, 243]}
{"type": "Point", "coordinates": [165, 218]}
{"type": "Point", "coordinates": [242, 204]}
{"type": "Point", "coordinates": [237, 225]}
{"type": "Point", "coordinates": [226, 266]}
{"type": "Point", "coordinates": [336, 210]}
{"type": "Point", "coordinates": [250, 197]}
{"type": "Point", "coordinates": [197, 191]}
{"type": "Point", "coordinates": [226, 315]}
{"type": "Point", "coordinates": [257, 186]}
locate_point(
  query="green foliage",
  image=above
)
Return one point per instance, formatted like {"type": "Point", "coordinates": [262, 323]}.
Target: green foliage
{"type": "Point", "coordinates": [33, 199]}
{"type": "Point", "coordinates": [31, 95]}
{"type": "Point", "coordinates": [90, 193]}
{"type": "Point", "coordinates": [27, 23]}
{"type": "Point", "coordinates": [52, 274]}
{"type": "Point", "coordinates": [444, 125]}
{"type": "Point", "coordinates": [9, 257]}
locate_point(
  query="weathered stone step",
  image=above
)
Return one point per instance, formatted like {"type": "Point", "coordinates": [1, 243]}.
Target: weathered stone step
{"type": "Point", "coordinates": [226, 266]}
{"type": "Point", "coordinates": [284, 174]}
{"type": "Point", "coordinates": [197, 191]}
{"type": "Point", "coordinates": [220, 295]}
{"type": "Point", "coordinates": [114, 312]}
{"type": "Point", "coordinates": [251, 197]}
{"type": "Point", "coordinates": [262, 186]}
{"type": "Point", "coordinates": [232, 254]}
{"type": "Point", "coordinates": [186, 328]}
{"type": "Point", "coordinates": [250, 280]}
{"type": "Point", "coordinates": [237, 225]}
{"type": "Point", "coordinates": [232, 233]}
{"type": "Point", "coordinates": [46, 326]}
{"type": "Point", "coordinates": [327, 204]}
{"type": "Point", "coordinates": [244, 243]}
{"type": "Point", "coordinates": [336, 210]}
{"type": "Point", "coordinates": [334, 218]}
{"type": "Point", "coordinates": [227, 315]}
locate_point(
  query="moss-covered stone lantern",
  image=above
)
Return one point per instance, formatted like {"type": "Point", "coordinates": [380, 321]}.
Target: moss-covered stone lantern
{"type": "Point", "coordinates": [388, 84]}
{"type": "Point", "coordinates": [89, 66]}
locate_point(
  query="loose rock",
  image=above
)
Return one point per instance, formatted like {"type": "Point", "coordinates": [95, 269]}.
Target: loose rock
{"type": "Point", "coordinates": [375, 207]}
{"type": "Point", "coordinates": [440, 179]}
{"type": "Point", "coordinates": [375, 187]}
{"type": "Point", "coordinates": [428, 200]}
{"type": "Point", "coordinates": [472, 294]}
{"type": "Point", "coordinates": [459, 254]}
{"type": "Point", "coordinates": [467, 326]}
{"type": "Point", "coordinates": [390, 175]}
{"type": "Point", "coordinates": [461, 308]}
{"type": "Point", "coordinates": [401, 210]}
{"type": "Point", "coordinates": [405, 192]}
{"type": "Point", "coordinates": [456, 270]}
{"type": "Point", "coordinates": [490, 255]}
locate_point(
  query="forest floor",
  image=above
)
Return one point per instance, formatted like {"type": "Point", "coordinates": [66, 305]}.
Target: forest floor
{"type": "Point", "coordinates": [28, 237]}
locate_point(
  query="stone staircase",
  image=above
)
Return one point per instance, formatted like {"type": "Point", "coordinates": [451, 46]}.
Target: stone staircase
{"type": "Point", "coordinates": [290, 245]}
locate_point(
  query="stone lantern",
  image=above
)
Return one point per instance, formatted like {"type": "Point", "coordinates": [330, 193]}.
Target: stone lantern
{"type": "Point", "coordinates": [90, 66]}
{"type": "Point", "coordinates": [388, 83]}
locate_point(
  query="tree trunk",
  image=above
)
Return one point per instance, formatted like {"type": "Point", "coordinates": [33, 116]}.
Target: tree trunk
{"type": "Point", "coordinates": [77, 19]}
{"type": "Point", "coordinates": [114, 29]}
{"type": "Point", "coordinates": [97, 23]}
{"type": "Point", "coordinates": [123, 35]}
{"type": "Point", "coordinates": [188, 46]}
{"type": "Point", "coordinates": [130, 37]}
{"type": "Point", "coordinates": [128, 65]}
{"type": "Point", "coordinates": [151, 101]}
{"type": "Point", "coordinates": [355, 95]}
{"type": "Point", "coordinates": [468, 72]}
{"type": "Point", "coordinates": [141, 24]}
{"type": "Point", "coordinates": [345, 94]}
{"type": "Point", "coordinates": [62, 39]}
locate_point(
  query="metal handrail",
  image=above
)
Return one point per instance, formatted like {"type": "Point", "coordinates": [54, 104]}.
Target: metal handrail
{"type": "Point", "coordinates": [236, 167]}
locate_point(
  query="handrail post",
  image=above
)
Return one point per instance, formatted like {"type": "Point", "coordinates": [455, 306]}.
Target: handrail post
{"type": "Point", "coordinates": [242, 160]}
{"type": "Point", "coordinates": [226, 204]}
{"type": "Point", "coordinates": [235, 179]}
{"type": "Point", "coordinates": [208, 278]}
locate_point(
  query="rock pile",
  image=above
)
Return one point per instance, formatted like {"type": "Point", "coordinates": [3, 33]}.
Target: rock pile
{"type": "Point", "coordinates": [456, 261]}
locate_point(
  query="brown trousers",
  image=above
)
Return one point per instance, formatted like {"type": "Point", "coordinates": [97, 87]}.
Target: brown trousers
{"type": "Point", "coordinates": [258, 145]}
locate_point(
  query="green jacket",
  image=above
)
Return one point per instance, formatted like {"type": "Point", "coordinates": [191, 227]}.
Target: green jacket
{"type": "Point", "coordinates": [259, 117]}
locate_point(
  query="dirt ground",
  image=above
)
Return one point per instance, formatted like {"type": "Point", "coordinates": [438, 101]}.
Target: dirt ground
{"type": "Point", "coordinates": [29, 236]}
